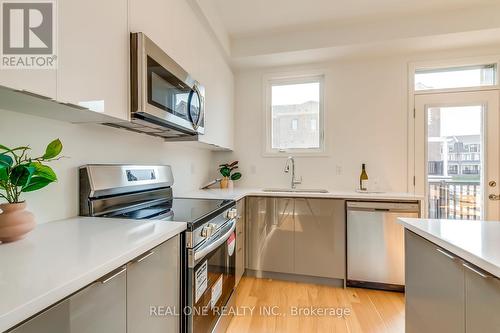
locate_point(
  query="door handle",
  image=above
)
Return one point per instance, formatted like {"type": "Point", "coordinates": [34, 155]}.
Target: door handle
{"type": "Point", "coordinates": [445, 253]}
{"type": "Point", "coordinates": [477, 271]}
{"type": "Point", "coordinates": [142, 257]}
{"type": "Point", "coordinates": [112, 275]}
{"type": "Point", "coordinates": [494, 197]}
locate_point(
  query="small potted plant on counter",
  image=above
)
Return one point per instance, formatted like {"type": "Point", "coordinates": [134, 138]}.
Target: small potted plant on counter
{"type": "Point", "coordinates": [20, 173]}
{"type": "Point", "coordinates": [226, 170]}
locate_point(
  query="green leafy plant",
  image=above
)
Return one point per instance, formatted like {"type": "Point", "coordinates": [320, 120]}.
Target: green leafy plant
{"type": "Point", "coordinates": [226, 170]}
{"type": "Point", "coordinates": [20, 173]}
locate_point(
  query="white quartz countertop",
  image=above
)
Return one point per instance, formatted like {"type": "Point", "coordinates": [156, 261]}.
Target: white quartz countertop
{"type": "Point", "coordinates": [477, 242]}
{"type": "Point", "coordinates": [239, 193]}
{"type": "Point", "coordinates": [58, 258]}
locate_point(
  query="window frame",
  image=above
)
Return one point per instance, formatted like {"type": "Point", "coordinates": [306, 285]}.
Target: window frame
{"type": "Point", "coordinates": [453, 63]}
{"type": "Point", "coordinates": [442, 68]}
{"type": "Point", "coordinates": [284, 79]}
{"type": "Point", "coordinates": [412, 66]}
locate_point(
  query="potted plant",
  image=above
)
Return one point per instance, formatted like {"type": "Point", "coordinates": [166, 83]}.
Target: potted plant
{"type": "Point", "coordinates": [20, 173]}
{"type": "Point", "coordinates": [226, 170]}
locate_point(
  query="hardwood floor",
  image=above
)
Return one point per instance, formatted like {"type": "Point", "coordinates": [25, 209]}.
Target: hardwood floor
{"type": "Point", "coordinates": [366, 311]}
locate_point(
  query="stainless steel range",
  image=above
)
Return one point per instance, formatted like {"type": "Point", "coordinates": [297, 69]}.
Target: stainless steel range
{"type": "Point", "coordinates": [208, 255]}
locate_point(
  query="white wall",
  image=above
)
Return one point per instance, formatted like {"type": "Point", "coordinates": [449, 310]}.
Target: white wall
{"type": "Point", "coordinates": [94, 144]}
{"type": "Point", "coordinates": [366, 106]}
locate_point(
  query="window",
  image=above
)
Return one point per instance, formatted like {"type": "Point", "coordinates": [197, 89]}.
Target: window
{"type": "Point", "coordinates": [314, 124]}
{"type": "Point", "coordinates": [452, 169]}
{"type": "Point", "coordinates": [470, 169]}
{"type": "Point", "coordinates": [456, 77]}
{"type": "Point", "coordinates": [474, 148]}
{"type": "Point", "coordinates": [295, 115]}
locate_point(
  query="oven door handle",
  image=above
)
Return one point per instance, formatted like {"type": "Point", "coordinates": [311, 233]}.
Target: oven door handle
{"type": "Point", "coordinates": [212, 246]}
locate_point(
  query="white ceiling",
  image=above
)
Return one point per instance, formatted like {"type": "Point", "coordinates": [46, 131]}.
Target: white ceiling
{"type": "Point", "coordinates": [257, 33]}
{"type": "Point", "coordinates": [246, 17]}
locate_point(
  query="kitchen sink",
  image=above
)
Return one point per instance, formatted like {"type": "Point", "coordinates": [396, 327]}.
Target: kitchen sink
{"type": "Point", "coordinates": [295, 190]}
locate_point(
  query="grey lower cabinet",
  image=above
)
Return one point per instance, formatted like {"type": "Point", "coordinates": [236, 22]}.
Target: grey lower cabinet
{"type": "Point", "coordinates": [270, 234]}
{"type": "Point", "coordinates": [434, 288]}
{"type": "Point", "coordinates": [153, 280]}
{"type": "Point", "coordinates": [240, 240]}
{"type": "Point", "coordinates": [319, 246]}
{"type": "Point", "coordinates": [482, 302]}
{"type": "Point", "coordinates": [444, 293]}
{"type": "Point", "coordinates": [100, 307]}
{"type": "Point", "coordinates": [120, 301]}
{"type": "Point", "coordinates": [301, 236]}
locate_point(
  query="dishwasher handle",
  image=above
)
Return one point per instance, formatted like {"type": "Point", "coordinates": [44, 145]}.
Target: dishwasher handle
{"type": "Point", "coordinates": [383, 206]}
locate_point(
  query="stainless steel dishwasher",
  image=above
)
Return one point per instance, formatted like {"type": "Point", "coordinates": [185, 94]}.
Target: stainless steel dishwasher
{"type": "Point", "coordinates": [375, 244]}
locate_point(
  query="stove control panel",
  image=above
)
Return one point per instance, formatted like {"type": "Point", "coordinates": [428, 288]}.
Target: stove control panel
{"type": "Point", "coordinates": [232, 213]}
{"type": "Point", "coordinates": [208, 230]}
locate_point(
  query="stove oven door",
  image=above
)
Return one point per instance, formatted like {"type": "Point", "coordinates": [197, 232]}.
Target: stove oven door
{"type": "Point", "coordinates": [211, 281]}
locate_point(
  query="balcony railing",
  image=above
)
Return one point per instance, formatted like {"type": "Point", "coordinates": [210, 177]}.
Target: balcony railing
{"type": "Point", "coordinates": [454, 200]}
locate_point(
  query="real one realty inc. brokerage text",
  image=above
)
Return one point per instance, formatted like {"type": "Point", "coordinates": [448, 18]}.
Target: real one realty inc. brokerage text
{"type": "Point", "coordinates": [292, 311]}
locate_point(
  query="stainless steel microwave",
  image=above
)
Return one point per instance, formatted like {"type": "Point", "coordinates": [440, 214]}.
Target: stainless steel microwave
{"type": "Point", "coordinates": [163, 94]}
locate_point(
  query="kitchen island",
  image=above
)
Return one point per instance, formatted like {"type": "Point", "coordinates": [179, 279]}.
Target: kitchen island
{"type": "Point", "coordinates": [452, 275]}
{"type": "Point", "coordinates": [59, 258]}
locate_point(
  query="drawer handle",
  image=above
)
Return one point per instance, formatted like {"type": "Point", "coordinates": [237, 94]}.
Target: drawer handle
{"type": "Point", "coordinates": [112, 275]}
{"type": "Point", "coordinates": [446, 254]}
{"type": "Point", "coordinates": [478, 272]}
{"type": "Point", "coordinates": [143, 257]}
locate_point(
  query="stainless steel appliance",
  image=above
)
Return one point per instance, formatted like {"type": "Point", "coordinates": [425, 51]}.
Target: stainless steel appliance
{"type": "Point", "coordinates": [375, 244]}
{"type": "Point", "coordinates": [165, 100]}
{"type": "Point", "coordinates": [208, 251]}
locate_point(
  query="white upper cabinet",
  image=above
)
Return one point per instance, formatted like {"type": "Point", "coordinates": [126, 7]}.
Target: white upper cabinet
{"type": "Point", "coordinates": [23, 42]}
{"type": "Point", "coordinates": [174, 26]}
{"type": "Point", "coordinates": [94, 55]}
{"type": "Point", "coordinates": [38, 81]}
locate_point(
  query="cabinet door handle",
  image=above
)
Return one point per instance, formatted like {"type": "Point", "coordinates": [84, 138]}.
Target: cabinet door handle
{"type": "Point", "coordinates": [112, 275]}
{"type": "Point", "coordinates": [445, 253]}
{"type": "Point", "coordinates": [478, 272]}
{"type": "Point", "coordinates": [143, 257]}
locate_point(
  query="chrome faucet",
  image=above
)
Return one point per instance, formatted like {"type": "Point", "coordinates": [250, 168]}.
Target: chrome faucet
{"type": "Point", "coordinates": [294, 181]}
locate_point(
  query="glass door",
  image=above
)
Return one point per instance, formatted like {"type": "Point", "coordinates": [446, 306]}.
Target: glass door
{"type": "Point", "coordinates": [456, 154]}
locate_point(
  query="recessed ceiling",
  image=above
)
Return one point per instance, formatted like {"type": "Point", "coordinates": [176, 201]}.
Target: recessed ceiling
{"type": "Point", "coordinates": [246, 17]}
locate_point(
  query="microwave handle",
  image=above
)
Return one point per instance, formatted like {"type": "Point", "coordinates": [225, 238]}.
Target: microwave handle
{"type": "Point", "coordinates": [202, 107]}
{"type": "Point", "coordinates": [206, 250]}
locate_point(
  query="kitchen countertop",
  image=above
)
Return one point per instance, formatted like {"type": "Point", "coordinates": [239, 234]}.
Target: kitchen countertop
{"type": "Point", "coordinates": [58, 258]}
{"type": "Point", "coordinates": [239, 193]}
{"type": "Point", "coordinates": [477, 242]}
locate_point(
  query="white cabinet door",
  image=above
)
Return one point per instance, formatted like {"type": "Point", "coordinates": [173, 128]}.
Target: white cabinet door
{"type": "Point", "coordinates": [38, 81]}
{"type": "Point", "coordinates": [153, 280]}
{"type": "Point", "coordinates": [94, 55]}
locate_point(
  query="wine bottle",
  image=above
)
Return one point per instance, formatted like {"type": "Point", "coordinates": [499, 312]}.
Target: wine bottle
{"type": "Point", "coordinates": [363, 178]}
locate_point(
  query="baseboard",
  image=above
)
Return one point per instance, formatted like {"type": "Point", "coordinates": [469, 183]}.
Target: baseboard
{"type": "Point", "coordinates": [295, 278]}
